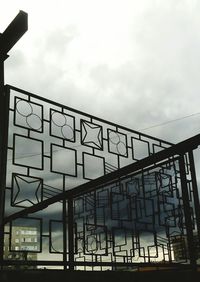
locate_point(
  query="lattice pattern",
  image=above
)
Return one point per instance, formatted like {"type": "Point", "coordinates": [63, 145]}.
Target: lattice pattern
{"type": "Point", "coordinates": [66, 144]}
{"type": "Point", "coordinates": [53, 148]}
{"type": "Point", "coordinates": [134, 220]}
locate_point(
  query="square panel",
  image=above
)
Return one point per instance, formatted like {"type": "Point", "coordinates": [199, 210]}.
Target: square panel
{"type": "Point", "coordinates": [27, 152]}
{"type": "Point", "coordinates": [94, 166]}
{"type": "Point", "coordinates": [117, 143]}
{"type": "Point", "coordinates": [91, 135]}
{"type": "Point", "coordinates": [95, 239]}
{"type": "Point", "coordinates": [63, 160]}
{"type": "Point", "coordinates": [62, 125]}
{"type": "Point", "coordinates": [26, 191]}
{"type": "Point", "coordinates": [28, 115]}
{"type": "Point", "coordinates": [140, 149]}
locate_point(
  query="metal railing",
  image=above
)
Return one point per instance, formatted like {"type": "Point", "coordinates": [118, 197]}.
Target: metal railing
{"type": "Point", "coordinates": [61, 181]}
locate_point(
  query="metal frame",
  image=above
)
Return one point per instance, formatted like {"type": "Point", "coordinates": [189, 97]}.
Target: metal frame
{"type": "Point", "coordinates": [123, 198]}
{"type": "Point", "coordinates": [94, 213]}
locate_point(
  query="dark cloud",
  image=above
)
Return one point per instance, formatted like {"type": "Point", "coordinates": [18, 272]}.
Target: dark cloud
{"type": "Point", "coordinates": [157, 81]}
{"type": "Point", "coordinates": [149, 78]}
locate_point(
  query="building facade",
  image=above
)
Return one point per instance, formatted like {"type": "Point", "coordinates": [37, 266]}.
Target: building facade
{"type": "Point", "coordinates": [21, 244]}
{"type": "Point", "coordinates": [180, 248]}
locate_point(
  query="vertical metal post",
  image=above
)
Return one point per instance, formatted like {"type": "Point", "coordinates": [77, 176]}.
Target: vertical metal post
{"type": "Point", "coordinates": [8, 39]}
{"type": "Point", "coordinates": [195, 193]}
{"type": "Point", "coordinates": [4, 111]}
{"type": "Point", "coordinates": [64, 216]}
{"type": "Point", "coordinates": [1, 158]}
{"type": "Point", "coordinates": [71, 233]}
{"type": "Point", "coordinates": [187, 213]}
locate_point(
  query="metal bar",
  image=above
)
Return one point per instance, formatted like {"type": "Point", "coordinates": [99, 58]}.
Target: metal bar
{"type": "Point", "coordinates": [4, 120]}
{"type": "Point", "coordinates": [13, 32]}
{"type": "Point", "coordinates": [187, 213]}
{"type": "Point", "coordinates": [7, 39]}
{"type": "Point", "coordinates": [92, 263]}
{"type": "Point", "coordinates": [2, 160]}
{"type": "Point", "coordinates": [64, 218]}
{"type": "Point", "coordinates": [195, 192]}
{"type": "Point", "coordinates": [71, 233]}
{"type": "Point", "coordinates": [180, 148]}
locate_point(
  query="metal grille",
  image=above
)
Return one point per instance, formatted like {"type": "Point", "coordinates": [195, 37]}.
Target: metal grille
{"type": "Point", "coordinates": [119, 218]}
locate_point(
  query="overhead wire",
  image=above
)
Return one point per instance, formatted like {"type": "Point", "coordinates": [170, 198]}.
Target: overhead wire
{"type": "Point", "coordinates": [170, 121]}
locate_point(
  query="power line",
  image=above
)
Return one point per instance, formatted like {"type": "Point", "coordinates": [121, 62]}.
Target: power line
{"type": "Point", "coordinates": [170, 121]}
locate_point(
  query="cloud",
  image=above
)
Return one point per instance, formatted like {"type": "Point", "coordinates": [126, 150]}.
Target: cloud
{"type": "Point", "coordinates": [134, 63]}
{"type": "Point", "coordinates": [141, 59]}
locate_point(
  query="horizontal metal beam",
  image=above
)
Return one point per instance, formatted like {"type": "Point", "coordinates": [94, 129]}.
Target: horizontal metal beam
{"type": "Point", "coordinates": [13, 32]}
{"type": "Point", "coordinates": [94, 263]}
{"type": "Point", "coordinates": [178, 149]}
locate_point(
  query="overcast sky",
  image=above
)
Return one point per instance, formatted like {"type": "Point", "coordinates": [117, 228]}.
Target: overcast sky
{"type": "Point", "coordinates": [133, 62]}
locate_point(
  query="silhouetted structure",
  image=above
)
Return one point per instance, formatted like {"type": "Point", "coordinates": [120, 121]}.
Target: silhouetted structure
{"type": "Point", "coordinates": [101, 196]}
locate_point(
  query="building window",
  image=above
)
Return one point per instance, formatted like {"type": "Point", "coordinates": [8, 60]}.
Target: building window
{"type": "Point", "coordinates": [29, 248]}
{"type": "Point", "coordinates": [28, 232]}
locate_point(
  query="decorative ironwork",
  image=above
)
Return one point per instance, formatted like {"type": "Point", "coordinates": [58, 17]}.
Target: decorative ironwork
{"type": "Point", "coordinates": [103, 196]}
{"type": "Point", "coordinates": [23, 187]}
{"type": "Point", "coordinates": [73, 143]}
{"type": "Point", "coordinates": [138, 218]}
